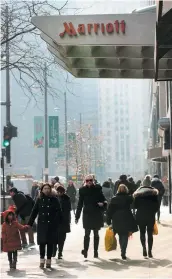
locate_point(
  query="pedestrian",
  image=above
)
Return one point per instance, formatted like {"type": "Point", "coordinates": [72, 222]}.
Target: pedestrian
{"type": "Point", "coordinates": [122, 180]}
{"type": "Point", "coordinates": [64, 227]}
{"type": "Point", "coordinates": [95, 180]}
{"type": "Point", "coordinates": [120, 215]}
{"type": "Point", "coordinates": [11, 237]}
{"type": "Point", "coordinates": [138, 184]}
{"type": "Point", "coordinates": [24, 205]}
{"type": "Point", "coordinates": [146, 203]}
{"type": "Point", "coordinates": [54, 181]}
{"type": "Point", "coordinates": [40, 183]}
{"type": "Point", "coordinates": [48, 210]}
{"type": "Point", "coordinates": [35, 186]}
{"type": "Point", "coordinates": [112, 185]}
{"type": "Point", "coordinates": [157, 184]}
{"type": "Point", "coordinates": [93, 203]}
{"type": "Point", "coordinates": [107, 191]}
{"type": "Point", "coordinates": [147, 181]}
{"type": "Point", "coordinates": [71, 192]}
{"type": "Point", "coordinates": [132, 186]}
{"type": "Point", "coordinates": [166, 194]}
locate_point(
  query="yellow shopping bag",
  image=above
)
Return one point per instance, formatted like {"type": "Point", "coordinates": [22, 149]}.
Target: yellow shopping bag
{"type": "Point", "coordinates": [110, 240]}
{"type": "Point", "coordinates": [155, 229]}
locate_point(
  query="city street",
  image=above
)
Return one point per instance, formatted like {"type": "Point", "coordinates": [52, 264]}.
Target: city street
{"type": "Point", "coordinates": [109, 265]}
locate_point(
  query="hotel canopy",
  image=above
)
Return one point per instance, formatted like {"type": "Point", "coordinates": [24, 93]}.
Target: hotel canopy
{"type": "Point", "coordinates": [105, 46]}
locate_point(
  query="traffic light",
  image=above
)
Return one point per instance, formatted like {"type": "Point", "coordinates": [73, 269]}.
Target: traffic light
{"type": "Point", "coordinates": [10, 132]}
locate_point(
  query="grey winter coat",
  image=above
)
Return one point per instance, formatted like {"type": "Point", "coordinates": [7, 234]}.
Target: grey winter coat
{"type": "Point", "coordinates": [107, 192]}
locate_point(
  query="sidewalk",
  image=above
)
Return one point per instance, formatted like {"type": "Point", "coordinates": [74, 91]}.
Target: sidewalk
{"type": "Point", "coordinates": [109, 265]}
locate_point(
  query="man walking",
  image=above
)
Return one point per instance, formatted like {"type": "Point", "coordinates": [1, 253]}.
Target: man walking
{"type": "Point", "coordinates": [157, 184]}
{"type": "Point", "coordinates": [24, 205]}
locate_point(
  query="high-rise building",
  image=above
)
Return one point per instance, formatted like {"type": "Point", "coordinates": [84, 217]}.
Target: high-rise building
{"type": "Point", "coordinates": [124, 118]}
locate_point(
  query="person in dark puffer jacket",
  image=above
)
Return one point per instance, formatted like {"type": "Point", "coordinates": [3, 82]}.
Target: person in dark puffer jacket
{"type": "Point", "coordinates": [146, 203]}
{"type": "Point", "coordinates": [157, 184]}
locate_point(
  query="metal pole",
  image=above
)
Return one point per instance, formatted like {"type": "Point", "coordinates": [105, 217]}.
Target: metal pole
{"type": "Point", "coordinates": [3, 182]}
{"type": "Point", "coordinates": [80, 120]}
{"type": "Point", "coordinates": [90, 163]}
{"type": "Point", "coordinates": [8, 102]}
{"type": "Point", "coordinates": [46, 125]}
{"type": "Point", "coordinates": [169, 179]}
{"type": "Point", "coordinates": [66, 138]}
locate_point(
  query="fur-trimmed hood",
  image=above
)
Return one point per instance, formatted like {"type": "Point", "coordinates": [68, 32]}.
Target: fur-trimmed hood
{"type": "Point", "coordinates": [145, 191]}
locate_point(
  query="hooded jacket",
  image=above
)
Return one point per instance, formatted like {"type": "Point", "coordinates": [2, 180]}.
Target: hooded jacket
{"type": "Point", "coordinates": [146, 203]}
{"type": "Point", "coordinates": [10, 233]}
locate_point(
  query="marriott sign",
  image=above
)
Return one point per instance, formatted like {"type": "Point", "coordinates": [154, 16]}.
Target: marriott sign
{"type": "Point", "coordinates": [94, 28]}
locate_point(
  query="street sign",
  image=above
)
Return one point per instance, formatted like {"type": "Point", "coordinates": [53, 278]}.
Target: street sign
{"type": "Point", "coordinates": [53, 132]}
{"type": "Point", "coordinates": [38, 131]}
{"type": "Point", "coordinates": [46, 171]}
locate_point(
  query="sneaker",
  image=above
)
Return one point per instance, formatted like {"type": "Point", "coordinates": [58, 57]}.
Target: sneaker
{"type": "Point", "coordinates": [31, 244]}
{"type": "Point", "coordinates": [84, 253]}
{"type": "Point", "coordinates": [24, 246]}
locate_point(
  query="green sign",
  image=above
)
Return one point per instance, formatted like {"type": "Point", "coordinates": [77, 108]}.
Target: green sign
{"type": "Point", "coordinates": [38, 131]}
{"type": "Point", "coordinates": [53, 132]}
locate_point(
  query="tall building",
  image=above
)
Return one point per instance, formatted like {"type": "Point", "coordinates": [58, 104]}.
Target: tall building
{"type": "Point", "coordinates": [124, 117]}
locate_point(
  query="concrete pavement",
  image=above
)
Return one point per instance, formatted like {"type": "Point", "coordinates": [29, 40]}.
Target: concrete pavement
{"type": "Point", "coordinates": [109, 265]}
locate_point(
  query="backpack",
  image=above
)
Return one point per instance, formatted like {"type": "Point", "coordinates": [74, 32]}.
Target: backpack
{"type": "Point", "coordinates": [30, 200]}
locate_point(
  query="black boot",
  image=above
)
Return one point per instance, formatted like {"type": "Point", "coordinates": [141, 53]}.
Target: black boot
{"type": "Point", "coordinates": [96, 245]}
{"type": "Point", "coordinates": [60, 256]}
{"type": "Point", "coordinates": [143, 242]}
{"type": "Point", "coordinates": [86, 246]}
{"type": "Point", "coordinates": [150, 244]}
{"type": "Point", "coordinates": [11, 265]}
{"type": "Point", "coordinates": [144, 252]}
{"type": "Point", "coordinates": [14, 259]}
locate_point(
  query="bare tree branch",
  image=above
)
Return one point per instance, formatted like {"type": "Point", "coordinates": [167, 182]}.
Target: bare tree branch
{"type": "Point", "coordinates": [28, 53]}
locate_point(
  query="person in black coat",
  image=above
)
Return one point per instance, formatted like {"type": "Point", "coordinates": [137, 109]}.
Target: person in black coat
{"type": "Point", "coordinates": [64, 228]}
{"type": "Point", "coordinates": [71, 192]}
{"type": "Point", "coordinates": [120, 215]}
{"type": "Point", "coordinates": [47, 207]}
{"type": "Point", "coordinates": [122, 180]}
{"type": "Point", "coordinates": [93, 203]}
{"type": "Point", "coordinates": [157, 184]}
{"type": "Point", "coordinates": [24, 206]}
{"type": "Point", "coordinates": [146, 203]}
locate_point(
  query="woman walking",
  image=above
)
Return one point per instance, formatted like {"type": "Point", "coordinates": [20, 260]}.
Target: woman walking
{"type": "Point", "coordinates": [120, 215]}
{"type": "Point", "coordinates": [146, 203]}
{"type": "Point", "coordinates": [66, 220]}
{"type": "Point", "coordinates": [93, 203]}
{"type": "Point", "coordinates": [47, 207]}
{"type": "Point", "coordinates": [71, 192]}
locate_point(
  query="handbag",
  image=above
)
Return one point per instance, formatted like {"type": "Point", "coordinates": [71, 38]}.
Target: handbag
{"type": "Point", "coordinates": [155, 229]}
{"type": "Point", "coordinates": [110, 240]}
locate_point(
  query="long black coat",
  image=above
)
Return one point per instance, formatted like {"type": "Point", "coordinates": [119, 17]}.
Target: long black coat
{"type": "Point", "coordinates": [65, 205]}
{"type": "Point", "coordinates": [89, 197]}
{"type": "Point", "coordinates": [119, 213]}
{"type": "Point", "coordinates": [49, 218]}
{"type": "Point", "coordinates": [146, 203]}
{"type": "Point", "coordinates": [71, 192]}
